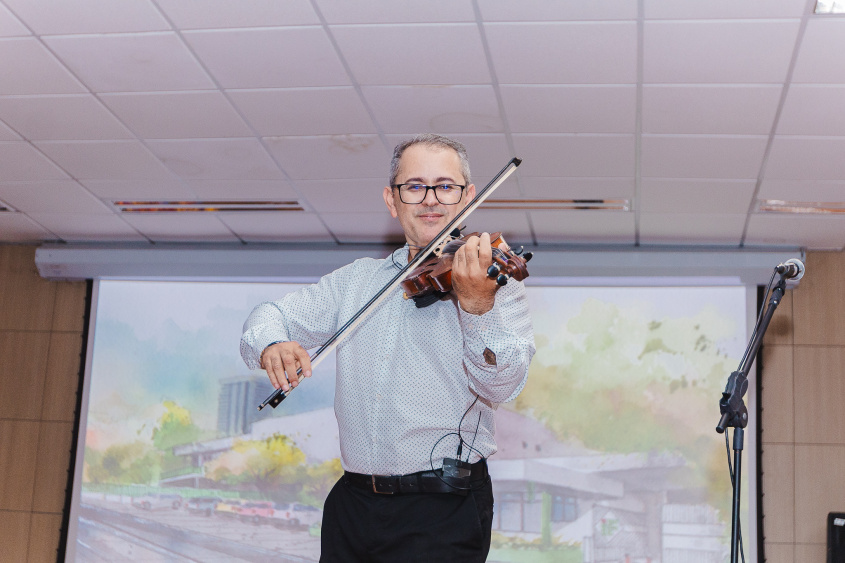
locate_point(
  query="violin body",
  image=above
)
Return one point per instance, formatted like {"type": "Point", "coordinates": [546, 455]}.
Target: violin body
{"type": "Point", "coordinates": [432, 279]}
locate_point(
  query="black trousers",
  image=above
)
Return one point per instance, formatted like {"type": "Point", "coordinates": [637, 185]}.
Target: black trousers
{"type": "Point", "coordinates": [363, 526]}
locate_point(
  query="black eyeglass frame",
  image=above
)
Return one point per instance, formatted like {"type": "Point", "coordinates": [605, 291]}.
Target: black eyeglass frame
{"type": "Point", "coordinates": [427, 187]}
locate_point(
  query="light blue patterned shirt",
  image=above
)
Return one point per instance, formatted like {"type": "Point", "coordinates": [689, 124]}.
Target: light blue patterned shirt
{"type": "Point", "coordinates": [405, 376]}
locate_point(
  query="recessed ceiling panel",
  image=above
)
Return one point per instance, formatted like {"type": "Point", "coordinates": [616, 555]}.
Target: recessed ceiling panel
{"type": "Point", "coordinates": [10, 26]}
{"type": "Point", "coordinates": [129, 190]}
{"type": "Point", "coordinates": [820, 56]}
{"type": "Point", "coordinates": [176, 227]}
{"type": "Point", "coordinates": [583, 227]}
{"type": "Point", "coordinates": [803, 190]}
{"type": "Point", "coordinates": [543, 10]}
{"type": "Point", "coordinates": [48, 17]}
{"type": "Point", "coordinates": [710, 109]}
{"type": "Point", "coordinates": [813, 110]}
{"type": "Point", "coordinates": [330, 156]}
{"type": "Point", "coordinates": [216, 159]}
{"type": "Point", "coordinates": [282, 226]}
{"type": "Point", "coordinates": [242, 189]}
{"type": "Point", "coordinates": [570, 109]}
{"type": "Point", "coordinates": [821, 232]}
{"type": "Point", "coordinates": [680, 195]}
{"type": "Point", "coordinates": [378, 228]}
{"type": "Point", "coordinates": [141, 62]}
{"type": "Point", "coordinates": [175, 115]}
{"type": "Point", "coordinates": [390, 11]}
{"type": "Point", "coordinates": [575, 155]}
{"type": "Point", "coordinates": [28, 68]}
{"type": "Point", "coordinates": [810, 158]}
{"type": "Point", "coordinates": [209, 14]}
{"type": "Point", "coordinates": [105, 160]}
{"type": "Point", "coordinates": [20, 161]}
{"type": "Point", "coordinates": [62, 196]}
{"type": "Point", "coordinates": [17, 227]}
{"type": "Point", "coordinates": [723, 9]}
{"type": "Point", "coordinates": [304, 111]}
{"type": "Point", "coordinates": [692, 228]}
{"type": "Point", "coordinates": [698, 156]}
{"type": "Point", "coordinates": [371, 52]}
{"type": "Point", "coordinates": [442, 109]}
{"type": "Point", "coordinates": [7, 134]}
{"type": "Point", "coordinates": [578, 188]}
{"type": "Point", "coordinates": [86, 227]}
{"type": "Point", "coordinates": [356, 195]}
{"type": "Point", "coordinates": [284, 57]}
{"type": "Point", "coordinates": [718, 51]}
{"type": "Point", "coordinates": [564, 53]}
{"type": "Point", "coordinates": [72, 117]}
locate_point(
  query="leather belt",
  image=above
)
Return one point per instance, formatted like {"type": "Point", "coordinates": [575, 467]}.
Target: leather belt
{"type": "Point", "coordinates": [422, 482]}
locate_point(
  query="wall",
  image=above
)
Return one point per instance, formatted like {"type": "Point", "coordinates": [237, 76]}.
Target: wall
{"type": "Point", "coordinates": [40, 343]}
{"type": "Point", "coordinates": [803, 417]}
{"type": "Point", "coordinates": [803, 401]}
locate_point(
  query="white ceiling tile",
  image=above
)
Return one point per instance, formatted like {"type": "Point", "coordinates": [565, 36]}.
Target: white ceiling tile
{"type": "Point", "coordinates": [207, 14]}
{"type": "Point", "coordinates": [105, 160]}
{"type": "Point", "coordinates": [513, 225]}
{"type": "Point", "coordinates": [819, 56]}
{"type": "Point", "coordinates": [724, 9]}
{"type": "Point", "coordinates": [357, 195]}
{"type": "Point", "coordinates": [815, 232]}
{"type": "Point", "coordinates": [350, 227]}
{"type": "Point", "coordinates": [543, 10]}
{"type": "Point", "coordinates": [803, 190]}
{"type": "Point", "coordinates": [575, 155]}
{"type": "Point", "coordinates": [487, 153]}
{"type": "Point", "coordinates": [48, 17]}
{"type": "Point", "coordinates": [17, 227]}
{"type": "Point", "coordinates": [28, 68]}
{"type": "Point", "coordinates": [7, 134]}
{"type": "Point", "coordinates": [139, 190]}
{"type": "Point", "coordinates": [10, 26]}
{"type": "Point", "coordinates": [174, 115]}
{"type": "Point", "coordinates": [78, 227]}
{"type": "Point", "coordinates": [19, 161]}
{"type": "Point", "coordinates": [718, 51]}
{"type": "Point", "coordinates": [242, 189]}
{"type": "Point", "coordinates": [176, 227]}
{"type": "Point", "coordinates": [269, 58]}
{"type": "Point", "coordinates": [445, 109]}
{"type": "Point", "coordinates": [564, 53]}
{"type": "Point", "coordinates": [808, 158]}
{"type": "Point", "coordinates": [691, 228]}
{"type": "Point", "coordinates": [331, 156]}
{"type": "Point", "coordinates": [583, 227]}
{"type": "Point", "coordinates": [281, 226]}
{"type": "Point", "coordinates": [390, 11]}
{"type": "Point", "coordinates": [677, 196]}
{"type": "Point", "coordinates": [140, 62]}
{"type": "Point", "coordinates": [722, 109]}
{"type": "Point", "coordinates": [813, 110]}
{"type": "Point", "coordinates": [578, 188]}
{"type": "Point", "coordinates": [67, 117]}
{"type": "Point", "coordinates": [570, 109]}
{"type": "Point", "coordinates": [216, 159]}
{"type": "Point", "coordinates": [304, 111]}
{"type": "Point", "coordinates": [61, 196]}
{"type": "Point", "coordinates": [371, 53]}
{"type": "Point", "coordinates": [678, 156]}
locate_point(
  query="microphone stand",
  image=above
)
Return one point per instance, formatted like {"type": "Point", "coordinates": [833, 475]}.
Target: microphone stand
{"type": "Point", "coordinates": [734, 412]}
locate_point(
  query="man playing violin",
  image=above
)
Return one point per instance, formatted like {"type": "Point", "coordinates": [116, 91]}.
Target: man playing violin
{"type": "Point", "coordinates": [417, 388]}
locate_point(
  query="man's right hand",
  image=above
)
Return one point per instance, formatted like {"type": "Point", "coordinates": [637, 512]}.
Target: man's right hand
{"type": "Point", "coordinates": [282, 360]}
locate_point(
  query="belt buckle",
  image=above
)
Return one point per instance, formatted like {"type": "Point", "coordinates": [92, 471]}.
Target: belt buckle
{"type": "Point", "coordinates": [376, 486]}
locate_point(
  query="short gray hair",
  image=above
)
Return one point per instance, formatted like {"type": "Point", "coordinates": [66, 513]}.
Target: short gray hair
{"type": "Point", "coordinates": [430, 140]}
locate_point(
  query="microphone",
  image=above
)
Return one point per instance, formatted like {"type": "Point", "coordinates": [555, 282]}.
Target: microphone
{"type": "Point", "coordinates": [792, 269]}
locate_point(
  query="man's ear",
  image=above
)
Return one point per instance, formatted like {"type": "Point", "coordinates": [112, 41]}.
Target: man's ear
{"type": "Point", "coordinates": [470, 195]}
{"type": "Point", "coordinates": [389, 201]}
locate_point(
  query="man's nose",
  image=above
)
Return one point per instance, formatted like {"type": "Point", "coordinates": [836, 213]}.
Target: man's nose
{"type": "Point", "coordinates": [430, 198]}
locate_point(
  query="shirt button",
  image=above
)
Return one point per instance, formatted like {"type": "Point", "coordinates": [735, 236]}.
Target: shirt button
{"type": "Point", "coordinates": [378, 397]}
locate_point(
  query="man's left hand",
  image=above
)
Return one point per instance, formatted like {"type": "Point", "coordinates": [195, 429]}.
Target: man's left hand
{"type": "Point", "coordinates": [475, 291]}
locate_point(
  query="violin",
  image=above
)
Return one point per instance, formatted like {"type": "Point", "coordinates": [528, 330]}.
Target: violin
{"type": "Point", "coordinates": [432, 279]}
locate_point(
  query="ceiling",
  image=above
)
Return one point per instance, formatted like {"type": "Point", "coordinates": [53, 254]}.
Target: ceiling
{"type": "Point", "coordinates": [691, 110]}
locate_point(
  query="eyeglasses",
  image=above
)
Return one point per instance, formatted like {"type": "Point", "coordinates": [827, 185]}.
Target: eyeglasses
{"type": "Point", "coordinates": [447, 194]}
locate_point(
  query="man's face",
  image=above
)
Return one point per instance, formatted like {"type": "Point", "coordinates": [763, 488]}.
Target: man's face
{"type": "Point", "coordinates": [423, 164]}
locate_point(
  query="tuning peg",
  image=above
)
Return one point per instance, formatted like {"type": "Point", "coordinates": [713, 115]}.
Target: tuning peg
{"type": "Point", "coordinates": [493, 271]}
{"type": "Point", "coordinates": [528, 256]}
{"type": "Point", "coordinates": [502, 279]}
{"type": "Point", "coordinates": [519, 250]}
{"type": "Point", "coordinates": [456, 232]}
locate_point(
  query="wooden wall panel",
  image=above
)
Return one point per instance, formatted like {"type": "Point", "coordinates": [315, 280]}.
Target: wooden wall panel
{"type": "Point", "coordinates": [51, 471]}
{"type": "Point", "coordinates": [26, 300]}
{"type": "Point", "coordinates": [14, 531]}
{"type": "Point", "coordinates": [778, 414]}
{"type": "Point", "coordinates": [62, 379]}
{"type": "Point", "coordinates": [780, 329]}
{"type": "Point", "coordinates": [778, 498]}
{"type": "Point", "coordinates": [69, 309]}
{"type": "Point", "coordinates": [18, 448]}
{"type": "Point", "coordinates": [778, 553]}
{"type": "Point", "coordinates": [819, 489]}
{"type": "Point", "coordinates": [819, 301]}
{"type": "Point", "coordinates": [820, 395]}
{"type": "Point", "coordinates": [23, 365]}
{"type": "Point", "coordinates": [44, 534]}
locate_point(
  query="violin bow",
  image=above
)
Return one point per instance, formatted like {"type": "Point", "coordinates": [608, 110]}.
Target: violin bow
{"type": "Point", "coordinates": [278, 395]}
